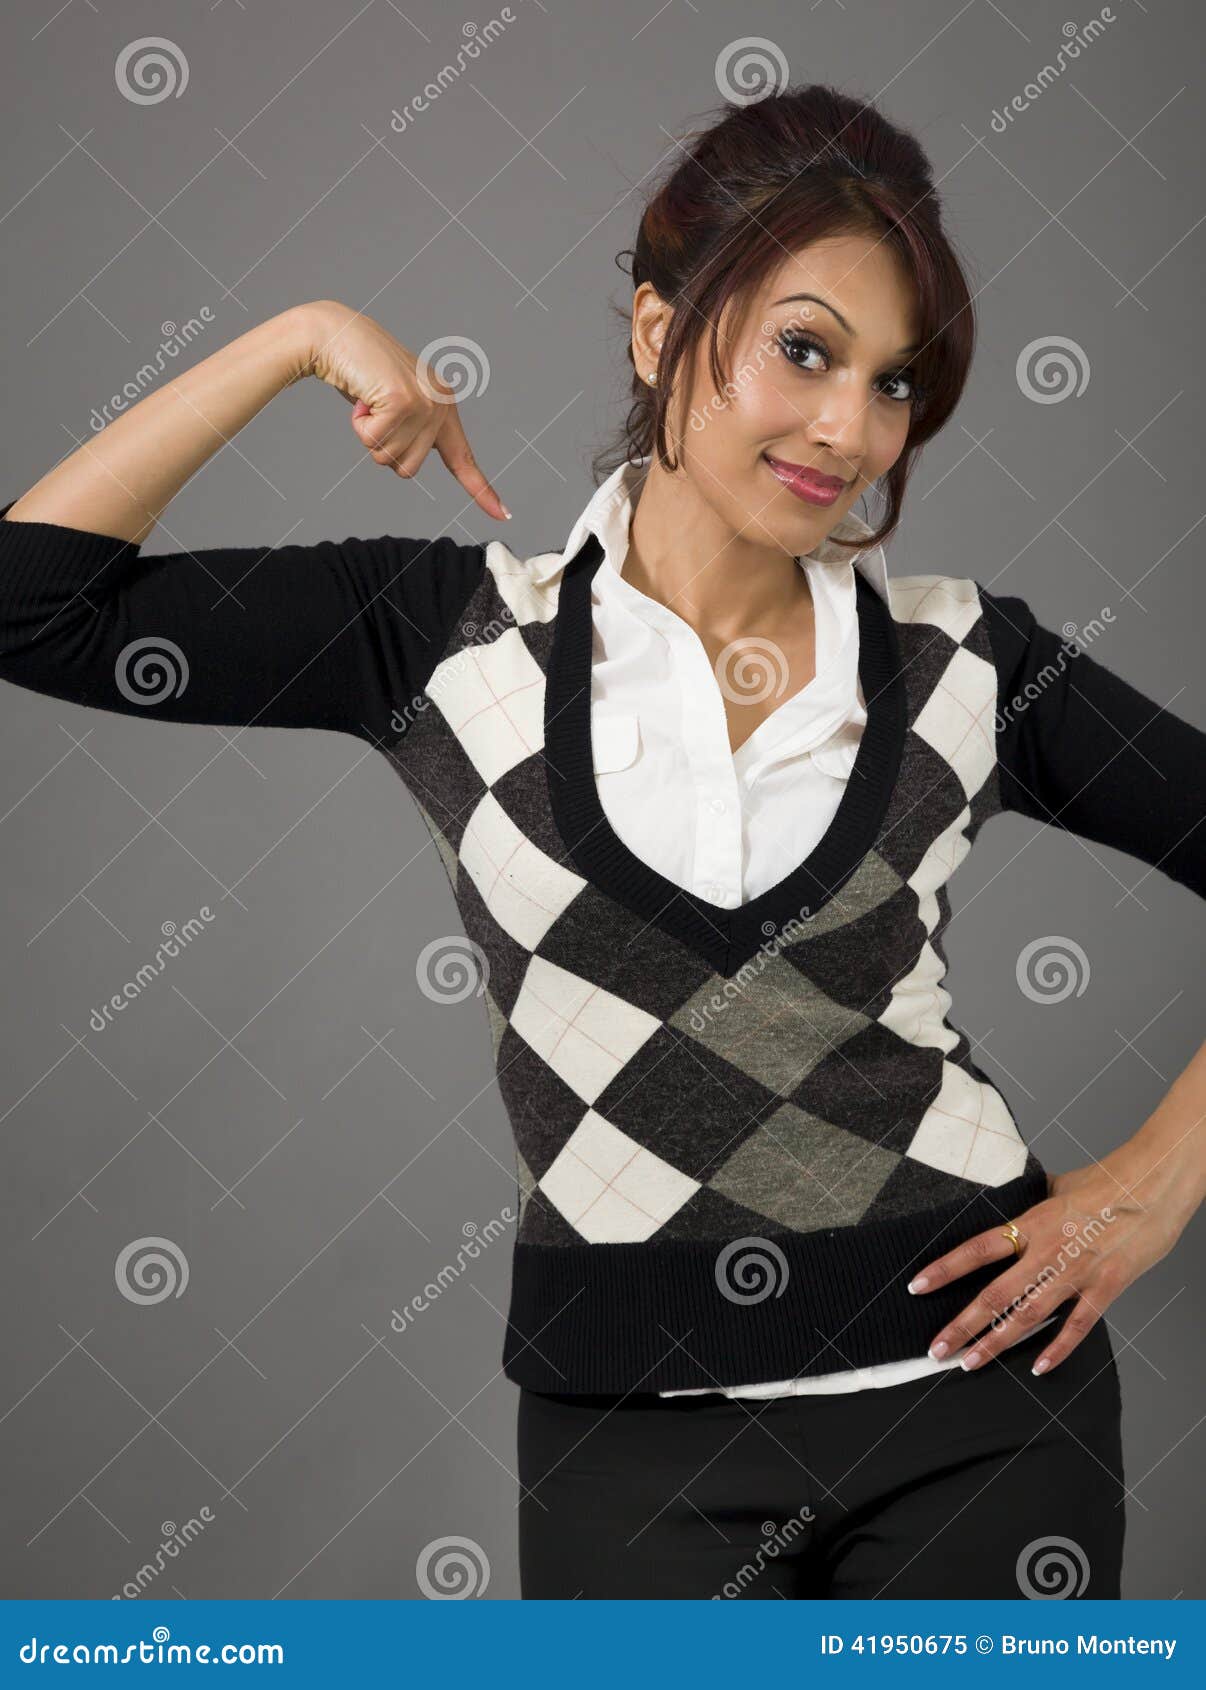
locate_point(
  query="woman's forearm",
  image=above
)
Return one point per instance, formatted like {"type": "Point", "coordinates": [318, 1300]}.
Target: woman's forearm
{"type": "Point", "coordinates": [120, 481]}
{"type": "Point", "coordinates": [1166, 1159]}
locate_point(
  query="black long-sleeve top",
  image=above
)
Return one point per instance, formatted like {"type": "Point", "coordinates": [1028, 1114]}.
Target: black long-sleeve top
{"type": "Point", "coordinates": [345, 634]}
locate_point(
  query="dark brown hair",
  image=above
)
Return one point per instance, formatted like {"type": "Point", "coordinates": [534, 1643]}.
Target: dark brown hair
{"type": "Point", "coordinates": [766, 179]}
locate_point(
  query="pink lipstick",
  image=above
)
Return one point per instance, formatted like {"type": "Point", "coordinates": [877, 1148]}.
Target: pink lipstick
{"type": "Point", "coordinates": [807, 484]}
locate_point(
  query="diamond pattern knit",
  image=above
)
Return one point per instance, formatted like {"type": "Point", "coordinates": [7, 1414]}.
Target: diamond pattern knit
{"type": "Point", "coordinates": [689, 1111]}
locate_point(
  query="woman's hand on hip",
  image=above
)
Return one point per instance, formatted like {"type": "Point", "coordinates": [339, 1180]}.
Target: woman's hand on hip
{"type": "Point", "coordinates": [1098, 1229]}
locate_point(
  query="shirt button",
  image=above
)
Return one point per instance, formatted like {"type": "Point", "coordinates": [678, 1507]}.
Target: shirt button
{"type": "Point", "coordinates": [718, 804]}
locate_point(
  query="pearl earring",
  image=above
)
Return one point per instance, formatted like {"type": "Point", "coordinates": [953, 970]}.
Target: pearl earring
{"type": "Point", "coordinates": [652, 376]}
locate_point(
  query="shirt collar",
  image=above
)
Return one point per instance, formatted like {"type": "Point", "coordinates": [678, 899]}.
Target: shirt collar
{"type": "Point", "coordinates": [608, 514]}
{"type": "Point", "coordinates": [833, 700]}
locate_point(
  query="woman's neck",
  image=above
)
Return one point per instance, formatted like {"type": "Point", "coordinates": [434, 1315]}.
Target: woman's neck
{"type": "Point", "coordinates": [684, 555]}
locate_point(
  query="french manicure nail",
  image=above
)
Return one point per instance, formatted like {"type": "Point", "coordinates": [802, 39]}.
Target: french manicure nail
{"type": "Point", "coordinates": [939, 1349]}
{"type": "Point", "coordinates": [1041, 1365]}
{"type": "Point", "coordinates": [919, 1284]}
{"type": "Point", "coordinates": [972, 1360]}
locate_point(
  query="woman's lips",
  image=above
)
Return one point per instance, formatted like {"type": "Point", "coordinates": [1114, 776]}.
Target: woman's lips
{"type": "Point", "coordinates": [807, 484]}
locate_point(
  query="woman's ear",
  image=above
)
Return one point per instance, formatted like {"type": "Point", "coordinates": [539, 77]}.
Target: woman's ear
{"type": "Point", "coordinates": [650, 318]}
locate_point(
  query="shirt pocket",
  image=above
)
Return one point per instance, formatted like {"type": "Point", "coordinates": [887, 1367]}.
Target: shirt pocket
{"type": "Point", "coordinates": [615, 741]}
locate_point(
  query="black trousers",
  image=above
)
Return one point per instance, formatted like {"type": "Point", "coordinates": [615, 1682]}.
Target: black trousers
{"type": "Point", "coordinates": [984, 1484]}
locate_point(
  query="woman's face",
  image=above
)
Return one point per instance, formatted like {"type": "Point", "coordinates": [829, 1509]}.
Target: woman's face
{"type": "Point", "coordinates": [816, 406]}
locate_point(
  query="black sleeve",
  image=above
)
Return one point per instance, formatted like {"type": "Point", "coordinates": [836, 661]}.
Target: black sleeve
{"type": "Point", "coordinates": [339, 634]}
{"type": "Point", "coordinates": [1082, 749]}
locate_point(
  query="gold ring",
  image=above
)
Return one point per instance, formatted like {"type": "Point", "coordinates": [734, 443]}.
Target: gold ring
{"type": "Point", "coordinates": [1014, 1236]}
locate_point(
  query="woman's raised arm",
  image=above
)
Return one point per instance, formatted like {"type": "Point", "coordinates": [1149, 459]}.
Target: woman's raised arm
{"type": "Point", "coordinates": [337, 634]}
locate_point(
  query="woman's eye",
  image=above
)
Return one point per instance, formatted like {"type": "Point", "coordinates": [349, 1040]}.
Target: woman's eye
{"type": "Point", "coordinates": [800, 347]}
{"type": "Point", "coordinates": [910, 384]}
{"type": "Point", "coordinates": [797, 348]}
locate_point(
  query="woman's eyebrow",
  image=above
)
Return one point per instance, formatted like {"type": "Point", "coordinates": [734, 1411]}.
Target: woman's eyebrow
{"type": "Point", "coordinates": [852, 332]}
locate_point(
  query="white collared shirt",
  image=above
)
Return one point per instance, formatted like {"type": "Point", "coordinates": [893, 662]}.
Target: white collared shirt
{"type": "Point", "coordinates": [743, 820]}
{"type": "Point", "coordinates": [724, 825]}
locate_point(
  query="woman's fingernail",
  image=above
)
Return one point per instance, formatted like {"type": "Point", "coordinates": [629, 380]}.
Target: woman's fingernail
{"type": "Point", "coordinates": [921, 1283]}
{"type": "Point", "coordinates": [1041, 1365]}
{"type": "Point", "coordinates": [505, 511]}
{"type": "Point", "coordinates": [939, 1349]}
{"type": "Point", "coordinates": [972, 1360]}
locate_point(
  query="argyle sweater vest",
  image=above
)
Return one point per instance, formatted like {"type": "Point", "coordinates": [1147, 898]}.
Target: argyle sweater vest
{"type": "Point", "coordinates": [738, 1132]}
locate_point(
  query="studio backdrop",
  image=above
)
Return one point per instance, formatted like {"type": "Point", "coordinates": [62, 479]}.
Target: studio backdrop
{"type": "Point", "coordinates": [258, 1188]}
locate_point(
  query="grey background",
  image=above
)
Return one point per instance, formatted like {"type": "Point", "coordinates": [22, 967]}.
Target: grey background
{"type": "Point", "coordinates": [286, 1104]}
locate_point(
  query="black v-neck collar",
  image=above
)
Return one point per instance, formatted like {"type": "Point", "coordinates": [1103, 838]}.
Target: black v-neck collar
{"type": "Point", "coordinates": [725, 938]}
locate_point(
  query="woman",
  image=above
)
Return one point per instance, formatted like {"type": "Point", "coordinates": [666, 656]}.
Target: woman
{"type": "Point", "coordinates": [795, 1310]}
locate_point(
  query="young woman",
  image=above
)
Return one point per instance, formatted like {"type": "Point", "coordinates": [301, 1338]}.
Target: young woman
{"type": "Point", "coordinates": [795, 1309]}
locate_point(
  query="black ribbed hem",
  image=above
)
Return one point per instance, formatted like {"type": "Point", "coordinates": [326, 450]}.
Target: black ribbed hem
{"type": "Point", "coordinates": [725, 938]}
{"type": "Point", "coordinates": [651, 1317]}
